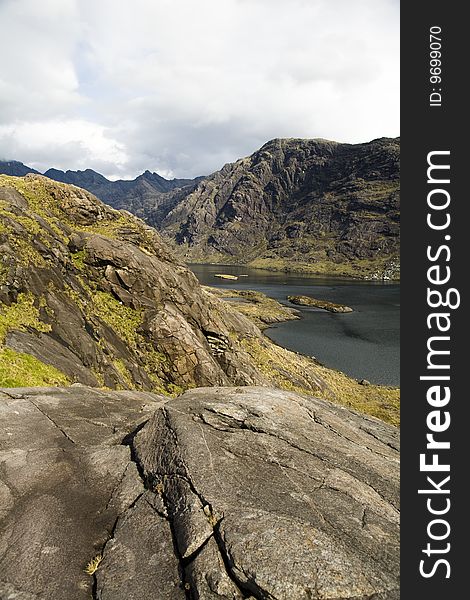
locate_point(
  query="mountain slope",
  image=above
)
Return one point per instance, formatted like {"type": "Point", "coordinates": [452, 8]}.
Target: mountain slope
{"type": "Point", "coordinates": [149, 193]}
{"type": "Point", "coordinates": [15, 168]}
{"type": "Point", "coordinates": [91, 295]}
{"type": "Point", "coordinates": [94, 294]}
{"type": "Point", "coordinates": [310, 205]}
{"type": "Point", "coordinates": [146, 193]}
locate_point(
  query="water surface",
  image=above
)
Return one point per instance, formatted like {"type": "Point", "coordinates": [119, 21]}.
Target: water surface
{"type": "Point", "coordinates": [363, 344]}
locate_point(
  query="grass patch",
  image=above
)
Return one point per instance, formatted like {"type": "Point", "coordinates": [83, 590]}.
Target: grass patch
{"type": "Point", "coordinates": [18, 369]}
{"type": "Point", "coordinates": [379, 401]}
{"type": "Point", "coordinates": [20, 315]}
{"type": "Point", "coordinates": [123, 371]}
{"type": "Point", "coordinates": [23, 370]}
{"type": "Point", "coordinates": [78, 259]}
{"type": "Point", "coordinates": [122, 319]}
{"type": "Point", "coordinates": [93, 565]}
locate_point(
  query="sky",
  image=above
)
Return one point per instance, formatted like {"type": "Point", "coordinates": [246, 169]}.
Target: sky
{"type": "Point", "coordinates": [181, 87]}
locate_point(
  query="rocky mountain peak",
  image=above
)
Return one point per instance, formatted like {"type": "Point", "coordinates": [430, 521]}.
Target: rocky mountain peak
{"type": "Point", "coordinates": [15, 168]}
{"type": "Point", "coordinates": [310, 205]}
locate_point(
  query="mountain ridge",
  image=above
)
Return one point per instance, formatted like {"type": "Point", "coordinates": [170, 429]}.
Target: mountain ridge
{"type": "Point", "coordinates": [310, 205]}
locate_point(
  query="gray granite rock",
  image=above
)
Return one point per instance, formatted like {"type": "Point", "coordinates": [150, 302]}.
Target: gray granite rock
{"type": "Point", "coordinates": [139, 561]}
{"type": "Point", "coordinates": [222, 493]}
{"type": "Point", "coordinates": [302, 496]}
{"type": "Point", "coordinates": [65, 479]}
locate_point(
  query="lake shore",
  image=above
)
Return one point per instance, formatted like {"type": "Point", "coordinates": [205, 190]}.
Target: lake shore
{"type": "Point", "coordinates": [363, 344]}
{"type": "Point", "coordinates": [379, 400]}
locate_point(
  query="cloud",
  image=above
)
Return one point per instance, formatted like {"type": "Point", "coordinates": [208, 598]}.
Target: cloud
{"type": "Point", "coordinates": [181, 87]}
{"type": "Point", "coordinates": [71, 143]}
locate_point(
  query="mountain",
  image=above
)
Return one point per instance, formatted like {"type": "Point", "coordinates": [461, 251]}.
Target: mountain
{"type": "Point", "coordinates": [296, 204]}
{"type": "Point", "coordinates": [92, 295]}
{"type": "Point", "coordinates": [89, 180]}
{"type": "Point", "coordinates": [15, 168]}
{"type": "Point", "coordinates": [120, 193]}
{"type": "Point", "coordinates": [147, 193]}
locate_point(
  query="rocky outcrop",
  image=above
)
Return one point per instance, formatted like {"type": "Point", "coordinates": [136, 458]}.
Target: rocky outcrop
{"type": "Point", "coordinates": [322, 304]}
{"type": "Point", "coordinates": [93, 293]}
{"type": "Point", "coordinates": [261, 309]}
{"type": "Point", "coordinates": [224, 493]}
{"type": "Point", "coordinates": [295, 204]}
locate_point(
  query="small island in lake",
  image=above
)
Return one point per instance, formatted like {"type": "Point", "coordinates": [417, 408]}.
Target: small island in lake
{"type": "Point", "coordinates": [225, 276]}
{"type": "Point", "coordinates": [323, 304]}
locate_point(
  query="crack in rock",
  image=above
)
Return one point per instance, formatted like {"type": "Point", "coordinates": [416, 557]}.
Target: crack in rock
{"type": "Point", "coordinates": [199, 462]}
{"type": "Point", "coordinates": [223, 494]}
{"type": "Point", "coordinates": [62, 431]}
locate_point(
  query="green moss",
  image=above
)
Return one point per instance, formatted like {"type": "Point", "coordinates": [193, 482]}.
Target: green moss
{"type": "Point", "coordinates": [22, 243]}
{"type": "Point", "coordinates": [78, 259]}
{"type": "Point", "coordinates": [111, 227]}
{"type": "Point", "coordinates": [19, 369]}
{"type": "Point", "coordinates": [21, 314]}
{"type": "Point", "coordinates": [122, 319]}
{"type": "Point", "coordinates": [30, 225]}
{"type": "Point", "coordinates": [123, 371]}
{"type": "Point", "coordinates": [27, 253]}
{"type": "Point", "coordinates": [24, 370]}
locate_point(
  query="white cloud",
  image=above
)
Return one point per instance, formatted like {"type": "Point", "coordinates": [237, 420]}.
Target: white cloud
{"type": "Point", "coordinates": [68, 144]}
{"type": "Point", "coordinates": [181, 87]}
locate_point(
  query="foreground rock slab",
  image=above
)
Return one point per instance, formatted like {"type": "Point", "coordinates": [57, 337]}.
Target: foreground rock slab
{"type": "Point", "coordinates": [222, 493]}
{"type": "Point", "coordinates": [65, 478]}
{"type": "Point", "coordinates": [296, 498]}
